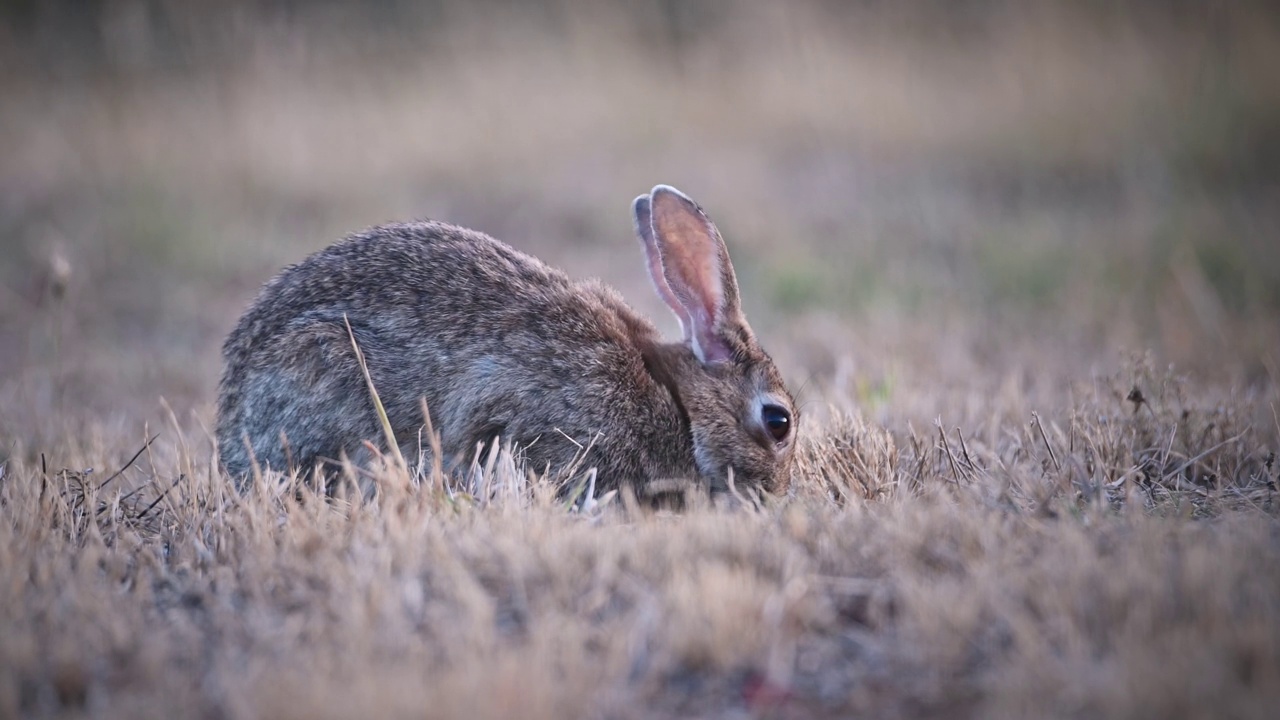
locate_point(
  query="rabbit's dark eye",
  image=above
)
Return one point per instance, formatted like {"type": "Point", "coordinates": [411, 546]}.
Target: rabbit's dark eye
{"type": "Point", "coordinates": [777, 421]}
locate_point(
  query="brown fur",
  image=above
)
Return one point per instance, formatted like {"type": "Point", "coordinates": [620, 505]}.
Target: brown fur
{"type": "Point", "coordinates": [501, 345]}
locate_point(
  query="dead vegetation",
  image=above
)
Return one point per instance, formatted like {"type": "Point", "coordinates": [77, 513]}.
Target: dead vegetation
{"type": "Point", "coordinates": [1098, 561]}
{"type": "Point", "coordinates": [952, 230]}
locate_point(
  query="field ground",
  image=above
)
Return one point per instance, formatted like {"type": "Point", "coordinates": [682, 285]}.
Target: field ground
{"type": "Point", "coordinates": [1020, 263]}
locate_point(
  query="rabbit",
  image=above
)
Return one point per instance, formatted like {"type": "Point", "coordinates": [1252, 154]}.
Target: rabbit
{"type": "Point", "coordinates": [501, 345]}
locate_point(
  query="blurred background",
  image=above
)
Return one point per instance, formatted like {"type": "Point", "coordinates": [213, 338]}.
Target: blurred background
{"type": "Point", "coordinates": [920, 198]}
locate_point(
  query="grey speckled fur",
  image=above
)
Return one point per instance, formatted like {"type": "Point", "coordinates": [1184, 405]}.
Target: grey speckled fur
{"type": "Point", "coordinates": [500, 344]}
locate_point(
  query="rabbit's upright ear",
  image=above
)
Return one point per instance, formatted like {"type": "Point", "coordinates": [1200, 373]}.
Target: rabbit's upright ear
{"type": "Point", "coordinates": [698, 274]}
{"type": "Point", "coordinates": [642, 218]}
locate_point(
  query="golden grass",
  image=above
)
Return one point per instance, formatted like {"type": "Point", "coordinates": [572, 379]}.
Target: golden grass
{"type": "Point", "coordinates": [1049, 565]}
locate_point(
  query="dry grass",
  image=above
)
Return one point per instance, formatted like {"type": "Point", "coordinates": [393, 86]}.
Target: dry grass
{"type": "Point", "coordinates": [1113, 559]}
{"type": "Point", "coordinates": [953, 230]}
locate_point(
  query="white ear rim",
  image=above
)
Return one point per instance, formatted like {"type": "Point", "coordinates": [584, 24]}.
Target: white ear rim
{"type": "Point", "coordinates": [660, 188]}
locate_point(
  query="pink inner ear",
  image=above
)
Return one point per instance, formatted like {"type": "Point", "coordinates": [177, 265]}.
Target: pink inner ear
{"type": "Point", "coordinates": [691, 256]}
{"type": "Point", "coordinates": [653, 258]}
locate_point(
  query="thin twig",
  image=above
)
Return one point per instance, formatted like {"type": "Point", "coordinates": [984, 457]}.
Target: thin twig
{"type": "Point", "coordinates": [394, 446]}
{"type": "Point", "coordinates": [1035, 417]}
{"type": "Point", "coordinates": [162, 495]}
{"type": "Point", "coordinates": [946, 448]}
{"type": "Point", "coordinates": [433, 438]}
{"type": "Point", "coordinates": [1200, 457]}
{"type": "Point", "coordinates": [132, 460]}
{"type": "Point", "coordinates": [915, 445]}
{"type": "Point", "coordinates": [44, 477]}
{"type": "Point", "coordinates": [964, 450]}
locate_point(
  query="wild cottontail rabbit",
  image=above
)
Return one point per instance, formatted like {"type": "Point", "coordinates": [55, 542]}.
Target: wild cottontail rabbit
{"type": "Point", "coordinates": [500, 344]}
